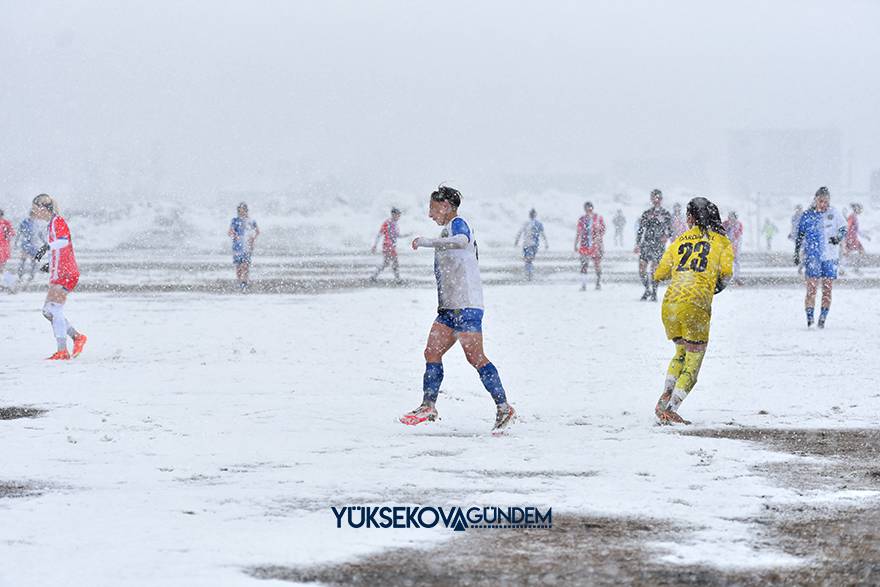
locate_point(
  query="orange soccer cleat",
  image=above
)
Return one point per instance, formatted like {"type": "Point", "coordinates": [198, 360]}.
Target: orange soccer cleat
{"type": "Point", "coordinates": [79, 341]}
{"type": "Point", "coordinates": [60, 356]}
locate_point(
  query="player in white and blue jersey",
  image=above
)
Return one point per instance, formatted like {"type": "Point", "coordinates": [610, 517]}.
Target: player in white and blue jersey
{"type": "Point", "coordinates": [820, 232]}
{"type": "Point", "coordinates": [531, 234]}
{"type": "Point", "coordinates": [243, 231]}
{"type": "Point", "coordinates": [29, 239]}
{"type": "Point", "coordinates": [459, 311]}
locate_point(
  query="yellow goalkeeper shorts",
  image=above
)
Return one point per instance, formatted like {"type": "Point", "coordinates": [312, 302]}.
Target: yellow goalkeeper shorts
{"type": "Point", "coordinates": [685, 321]}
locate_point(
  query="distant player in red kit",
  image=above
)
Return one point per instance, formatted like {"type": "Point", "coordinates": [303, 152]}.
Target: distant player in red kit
{"type": "Point", "coordinates": [388, 234]}
{"type": "Point", "coordinates": [7, 232]}
{"type": "Point", "coordinates": [63, 276]}
{"type": "Point", "coordinates": [853, 249]}
{"type": "Point", "coordinates": [734, 230]}
{"type": "Point", "coordinates": [589, 244]}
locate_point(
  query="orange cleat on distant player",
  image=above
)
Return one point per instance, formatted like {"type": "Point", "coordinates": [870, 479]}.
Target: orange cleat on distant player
{"type": "Point", "coordinates": [60, 356]}
{"type": "Point", "coordinates": [79, 342]}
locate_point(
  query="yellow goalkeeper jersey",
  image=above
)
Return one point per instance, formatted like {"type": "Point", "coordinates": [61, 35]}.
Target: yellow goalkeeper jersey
{"type": "Point", "coordinates": [695, 261]}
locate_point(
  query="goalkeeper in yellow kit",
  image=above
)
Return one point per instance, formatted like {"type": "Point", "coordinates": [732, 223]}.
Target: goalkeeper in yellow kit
{"type": "Point", "coordinates": [699, 262]}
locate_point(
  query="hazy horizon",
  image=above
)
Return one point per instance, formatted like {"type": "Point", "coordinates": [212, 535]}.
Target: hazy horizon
{"type": "Point", "coordinates": [197, 97]}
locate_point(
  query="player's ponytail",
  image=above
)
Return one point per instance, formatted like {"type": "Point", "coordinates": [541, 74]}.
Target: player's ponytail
{"type": "Point", "coordinates": [705, 215]}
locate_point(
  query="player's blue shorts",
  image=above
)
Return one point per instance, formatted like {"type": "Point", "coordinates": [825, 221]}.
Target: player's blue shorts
{"type": "Point", "coordinates": [242, 257]}
{"type": "Point", "coordinates": [815, 268]}
{"type": "Point", "coordinates": [466, 320]}
{"type": "Point", "coordinates": [530, 252]}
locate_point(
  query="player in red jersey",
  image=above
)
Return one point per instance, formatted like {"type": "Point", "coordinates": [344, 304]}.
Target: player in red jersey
{"type": "Point", "coordinates": [63, 276]}
{"type": "Point", "coordinates": [853, 249]}
{"type": "Point", "coordinates": [589, 243]}
{"type": "Point", "coordinates": [7, 232]}
{"type": "Point", "coordinates": [388, 233]}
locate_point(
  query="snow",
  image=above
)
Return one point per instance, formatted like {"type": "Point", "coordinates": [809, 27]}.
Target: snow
{"type": "Point", "coordinates": [190, 224]}
{"type": "Point", "coordinates": [198, 436]}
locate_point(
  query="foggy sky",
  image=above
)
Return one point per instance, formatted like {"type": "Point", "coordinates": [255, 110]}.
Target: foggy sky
{"type": "Point", "coordinates": [195, 97]}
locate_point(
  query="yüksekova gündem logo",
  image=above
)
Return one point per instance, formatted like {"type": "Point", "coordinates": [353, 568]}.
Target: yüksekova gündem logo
{"type": "Point", "coordinates": [455, 518]}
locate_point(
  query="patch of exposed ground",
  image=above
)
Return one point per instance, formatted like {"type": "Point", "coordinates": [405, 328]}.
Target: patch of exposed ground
{"type": "Point", "coordinates": [15, 412]}
{"type": "Point", "coordinates": [840, 546]}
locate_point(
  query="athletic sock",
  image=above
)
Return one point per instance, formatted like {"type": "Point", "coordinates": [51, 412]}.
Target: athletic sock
{"type": "Point", "coordinates": [823, 314]}
{"type": "Point", "coordinates": [492, 383]}
{"type": "Point", "coordinates": [71, 331]}
{"type": "Point", "coordinates": [688, 378]}
{"type": "Point", "coordinates": [810, 315]}
{"type": "Point", "coordinates": [431, 381]}
{"type": "Point", "coordinates": [675, 367]}
{"type": "Point", "coordinates": [584, 279]}
{"type": "Point", "coordinates": [55, 312]}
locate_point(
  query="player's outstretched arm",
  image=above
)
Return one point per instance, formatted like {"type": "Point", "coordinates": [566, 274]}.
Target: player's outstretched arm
{"type": "Point", "coordinates": [458, 241]}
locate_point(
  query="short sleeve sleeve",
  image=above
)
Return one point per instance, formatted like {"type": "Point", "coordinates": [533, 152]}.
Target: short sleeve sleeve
{"type": "Point", "coordinates": [459, 226]}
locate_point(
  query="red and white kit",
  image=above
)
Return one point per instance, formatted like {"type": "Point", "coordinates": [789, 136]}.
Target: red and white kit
{"type": "Point", "coordinates": [63, 270]}
{"type": "Point", "coordinates": [590, 235]}
{"type": "Point", "coordinates": [390, 233]}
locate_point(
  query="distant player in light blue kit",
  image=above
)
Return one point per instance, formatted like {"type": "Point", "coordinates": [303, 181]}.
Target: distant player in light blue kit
{"type": "Point", "coordinates": [531, 234]}
{"type": "Point", "coordinates": [29, 240]}
{"type": "Point", "coordinates": [459, 311]}
{"type": "Point", "coordinates": [243, 231]}
{"type": "Point", "coordinates": [820, 231]}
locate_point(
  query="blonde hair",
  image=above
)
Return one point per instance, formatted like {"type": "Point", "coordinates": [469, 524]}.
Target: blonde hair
{"type": "Point", "coordinates": [48, 202]}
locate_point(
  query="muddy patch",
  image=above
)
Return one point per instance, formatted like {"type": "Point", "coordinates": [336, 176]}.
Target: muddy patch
{"type": "Point", "coordinates": [576, 551]}
{"type": "Point", "coordinates": [839, 545]}
{"type": "Point", "coordinates": [16, 412]}
{"type": "Point", "coordinates": [11, 489]}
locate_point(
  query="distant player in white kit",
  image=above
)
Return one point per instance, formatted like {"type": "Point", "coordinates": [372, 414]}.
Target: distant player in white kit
{"type": "Point", "coordinates": [459, 312]}
{"type": "Point", "coordinates": [531, 234]}
{"type": "Point", "coordinates": [243, 231]}
{"type": "Point", "coordinates": [820, 232]}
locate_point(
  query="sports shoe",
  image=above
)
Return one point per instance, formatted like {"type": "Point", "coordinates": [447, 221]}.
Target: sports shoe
{"type": "Point", "coordinates": [820, 323]}
{"type": "Point", "coordinates": [662, 403]}
{"type": "Point", "coordinates": [503, 417]}
{"type": "Point", "coordinates": [644, 296]}
{"type": "Point", "coordinates": [423, 413]}
{"type": "Point", "coordinates": [667, 416]}
{"type": "Point", "coordinates": [79, 342]}
{"type": "Point", "coordinates": [60, 356]}
{"type": "Point", "coordinates": [653, 296]}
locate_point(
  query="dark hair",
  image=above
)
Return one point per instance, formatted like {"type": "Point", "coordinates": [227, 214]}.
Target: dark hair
{"type": "Point", "coordinates": [823, 191]}
{"type": "Point", "coordinates": [242, 205]}
{"type": "Point", "coordinates": [395, 211]}
{"type": "Point", "coordinates": [447, 194]}
{"type": "Point", "coordinates": [706, 215]}
{"type": "Point", "coordinates": [533, 213]}
{"type": "Point", "coordinates": [588, 205]}
{"type": "Point", "coordinates": [1, 212]}
{"type": "Point", "coordinates": [656, 192]}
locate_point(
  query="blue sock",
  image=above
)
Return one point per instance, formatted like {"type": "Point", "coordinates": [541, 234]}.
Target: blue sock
{"type": "Point", "coordinates": [432, 380]}
{"type": "Point", "coordinates": [492, 383]}
{"type": "Point", "coordinates": [810, 314]}
{"type": "Point", "coordinates": [823, 313]}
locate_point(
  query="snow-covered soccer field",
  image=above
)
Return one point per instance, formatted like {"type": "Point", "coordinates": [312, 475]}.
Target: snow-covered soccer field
{"type": "Point", "coordinates": [198, 437]}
